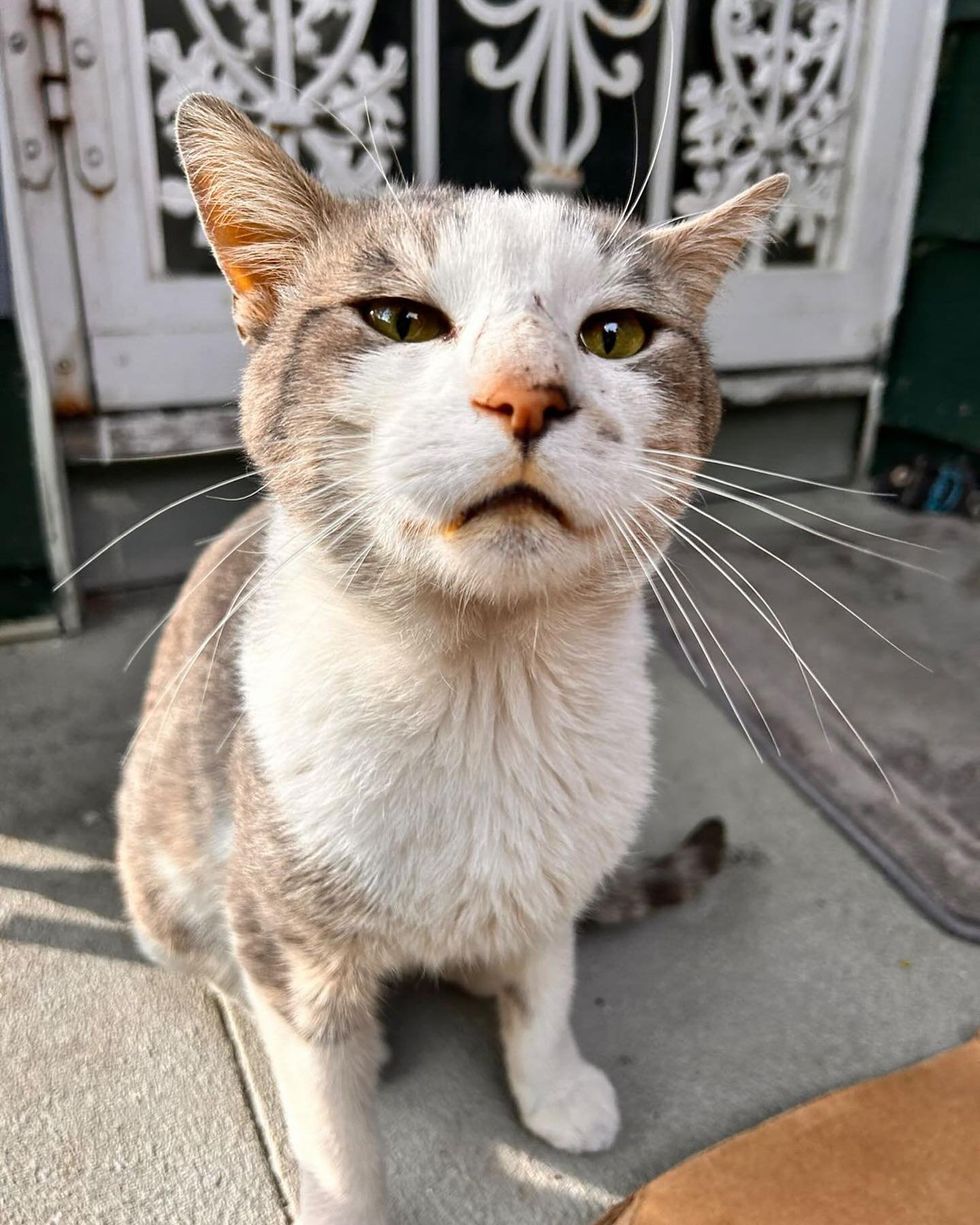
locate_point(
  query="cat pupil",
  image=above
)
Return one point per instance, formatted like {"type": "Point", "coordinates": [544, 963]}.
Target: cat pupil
{"type": "Point", "coordinates": [609, 331]}
{"type": "Point", "coordinates": [403, 322]}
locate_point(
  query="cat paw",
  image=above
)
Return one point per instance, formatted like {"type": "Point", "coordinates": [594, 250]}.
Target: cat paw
{"type": "Point", "coordinates": [577, 1112]}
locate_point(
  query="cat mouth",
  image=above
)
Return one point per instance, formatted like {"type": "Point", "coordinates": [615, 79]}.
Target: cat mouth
{"type": "Point", "coordinates": [516, 497]}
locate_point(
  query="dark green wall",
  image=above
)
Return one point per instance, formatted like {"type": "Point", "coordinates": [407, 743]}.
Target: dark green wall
{"type": "Point", "coordinates": [25, 587]}
{"type": "Point", "coordinates": [933, 390]}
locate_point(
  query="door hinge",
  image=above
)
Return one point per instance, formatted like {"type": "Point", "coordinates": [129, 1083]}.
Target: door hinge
{"type": "Point", "coordinates": [54, 68]}
{"type": "Point", "coordinates": [52, 59]}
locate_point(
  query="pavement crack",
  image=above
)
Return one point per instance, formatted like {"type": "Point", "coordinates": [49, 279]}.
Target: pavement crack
{"type": "Point", "coordinates": [255, 1105]}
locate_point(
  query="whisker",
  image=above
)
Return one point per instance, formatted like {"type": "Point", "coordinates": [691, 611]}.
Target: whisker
{"type": "Point", "coordinates": [685, 591]}
{"type": "Point", "coordinates": [243, 497]}
{"type": "Point", "coordinates": [812, 582]}
{"type": "Point", "coordinates": [231, 448]}
{"type": "Point", "coordinates": [393, 150]}
{"type": "Point", "coordinates": [185, 594]}
{"type": "Point", "coordinates": [188, 497]}
{"type": "Point", "coordinates": [699, 544]}
{"type": "Point", "coordinates": [228, 734]}
{"type": "Point", "coordinates": [697, 637]}
{"type": "Point", "coordinates": [806, 510]}
{"type": "Point", "coordinates": [784, 476]}
{"type": "Point", "coordinates": [697, 483]}
{"type": "Point", "coordinates": [239, 600]}
{"type": "Point", "coordinates": [352, 570]}
{"type": "Point", "coordinates": [377, 161]}
{"type": "Point", "coordinates": [176, 682]}
{"type": "Point", "coordinates": [816, 680]}
{"type": "Point", "coordinates": [636, 166]}
{"type": "Point", "coordinates": [668, 14]}
{"type": "Point", "coordinates": [666, 611]}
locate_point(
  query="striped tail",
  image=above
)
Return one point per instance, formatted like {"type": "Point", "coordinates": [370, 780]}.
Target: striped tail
{"type": "Point", "coordinates": [637, 888]}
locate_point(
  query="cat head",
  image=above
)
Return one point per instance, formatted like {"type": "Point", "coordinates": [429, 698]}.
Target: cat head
{"type": "Point", "coordinates": [459, 390]}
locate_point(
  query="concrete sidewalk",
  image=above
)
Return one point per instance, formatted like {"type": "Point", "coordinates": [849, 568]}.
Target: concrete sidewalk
{"type": "Point", "coordinates": [128, 1095]}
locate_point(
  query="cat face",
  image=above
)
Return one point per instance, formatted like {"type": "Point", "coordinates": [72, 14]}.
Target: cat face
{"type": "Point", "coordinates": [458, 388]}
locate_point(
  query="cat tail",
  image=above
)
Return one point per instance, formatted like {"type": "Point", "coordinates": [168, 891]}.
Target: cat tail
{"type": "Point", "coordinates": [638, 887]}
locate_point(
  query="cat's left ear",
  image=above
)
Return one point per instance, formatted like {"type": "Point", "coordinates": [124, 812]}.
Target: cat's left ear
{"type": "Point", "coordinates": [696, 254]}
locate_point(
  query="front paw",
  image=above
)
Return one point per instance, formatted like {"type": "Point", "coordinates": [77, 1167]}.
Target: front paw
{"type": "Point", "coordinates": [576, 1112]}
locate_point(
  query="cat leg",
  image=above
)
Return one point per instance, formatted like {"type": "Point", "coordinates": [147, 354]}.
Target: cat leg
{"type": "Point", "coordinates": [327, 1079]}
{"type": "Point", "coordinates": [479, 981]}
{"type": "Point", "coordinates": [560, 1097]}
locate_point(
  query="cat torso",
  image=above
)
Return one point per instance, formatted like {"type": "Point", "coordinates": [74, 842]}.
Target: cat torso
{"type": "Point", "coordinates": [475, 793]}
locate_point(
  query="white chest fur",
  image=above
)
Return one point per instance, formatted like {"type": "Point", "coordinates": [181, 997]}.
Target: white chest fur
{"type": "Point", "coordinates": [476, 796]}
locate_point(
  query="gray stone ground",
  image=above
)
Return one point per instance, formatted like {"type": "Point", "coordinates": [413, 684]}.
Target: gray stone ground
{"type": "Point", "coordinates": [127, 1095]}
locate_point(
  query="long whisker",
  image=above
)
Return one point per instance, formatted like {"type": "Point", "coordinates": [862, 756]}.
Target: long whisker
{"type": "Point", "coordinates": [807, 579]}
{"type": "Point", "coordinates": [685, 591]}
{"type": "Point", "coordinates": [231, 448]}
{"type": "Point", "coordinates": [699, 544]}
{"type": "Point", "coordinates": [242, 497]}
{"type": "Point", "coordinates": [393, 150]}
{"type": "Point", "coordinates": [698, 483]}
{"type": "Point", "coordinates": [616, 533]}
{"type": "Point", "coordinates": [668, 13]}
{"type": "Point", "coordinates": [636, 166]}
{"type": "Point", "coordinates": [783, 476]}
{"type": "Point", "coordinates": [239, 600]}
{"type": "Point", "coordinates": [188, 497]}
{"type": "Point", "coordinates": [178, 677]}
{"type": "Point", "coordinates": [697, 637]}
{"type": "Point", "coordinates": [186, 594]}
{"type": "Point", "coordinates": [817, 681]}
{"type": "Point", "coordinates": [228, 734]}
{"type": "Point", "coordinates": [806, 510]}
{"type": "Point", "coordinates": [377, 161]}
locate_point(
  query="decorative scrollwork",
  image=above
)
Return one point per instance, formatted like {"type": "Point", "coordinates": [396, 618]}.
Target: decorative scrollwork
{"type": "Point", "coordinates": [299, 69]}
{"type": "Point", "coordinates": [558, 47]}
{"type": "Point", "coordinates": [782, 103]}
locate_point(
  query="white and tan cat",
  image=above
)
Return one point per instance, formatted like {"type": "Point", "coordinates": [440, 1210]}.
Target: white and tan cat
{"type": "Point", "coordinates": [400, 718]}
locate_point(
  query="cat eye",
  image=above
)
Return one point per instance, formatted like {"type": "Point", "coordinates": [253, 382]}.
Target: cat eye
{"type": "Point", "coordinates": [401, 320]}
{"type": "Point", "coordinates": [615, 334]}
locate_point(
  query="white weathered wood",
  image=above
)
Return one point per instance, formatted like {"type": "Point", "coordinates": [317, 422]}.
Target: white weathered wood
{"type": "Point", "coordinates": [135, 370]}
{"type": "Point", "coordinates": [107, 438]}
{"type": "Point", "coordinates": [425, 34]}
{"type": "Point", "coordinates": [766, 386]}
{"type": "Point", "coordinates": [843, 312]}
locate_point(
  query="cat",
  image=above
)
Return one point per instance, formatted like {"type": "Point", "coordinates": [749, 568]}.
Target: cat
{"type": "Point", "coordinates": [400, 718]}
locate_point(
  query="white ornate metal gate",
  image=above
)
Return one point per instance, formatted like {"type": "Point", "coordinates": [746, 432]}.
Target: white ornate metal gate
{"type": "Point", "coordinates": [549, 94]}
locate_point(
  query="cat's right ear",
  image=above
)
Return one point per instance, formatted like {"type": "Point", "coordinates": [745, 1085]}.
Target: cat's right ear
{"type": "Point", "coordinates": [258, 208]}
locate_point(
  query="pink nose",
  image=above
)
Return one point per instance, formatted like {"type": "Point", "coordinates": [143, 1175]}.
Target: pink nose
{"type": "Point", "coordinates": [525, 410]}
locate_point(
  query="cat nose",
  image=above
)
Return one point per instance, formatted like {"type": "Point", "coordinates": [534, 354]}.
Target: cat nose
{"type": "Point", "coordinates": [526, 410]}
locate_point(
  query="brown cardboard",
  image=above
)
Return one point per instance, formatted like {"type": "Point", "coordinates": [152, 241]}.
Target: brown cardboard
{"type": "Point", "coordinates": [903, 1149]}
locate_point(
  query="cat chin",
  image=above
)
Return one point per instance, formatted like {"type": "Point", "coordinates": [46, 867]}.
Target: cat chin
{"type": "Point", "coordinates": [510, 557]}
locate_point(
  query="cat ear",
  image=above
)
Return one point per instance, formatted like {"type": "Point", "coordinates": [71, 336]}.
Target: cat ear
{"type": "Point", "coordinates": [258, 208]}
{"type": "Point", "coordinates": [698, 253]}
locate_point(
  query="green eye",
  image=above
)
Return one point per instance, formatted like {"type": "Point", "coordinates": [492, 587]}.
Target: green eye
{"type": "Point", "coordinates": [401, 320]}
{"type": "Point", "coordinates": [615, 334]}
